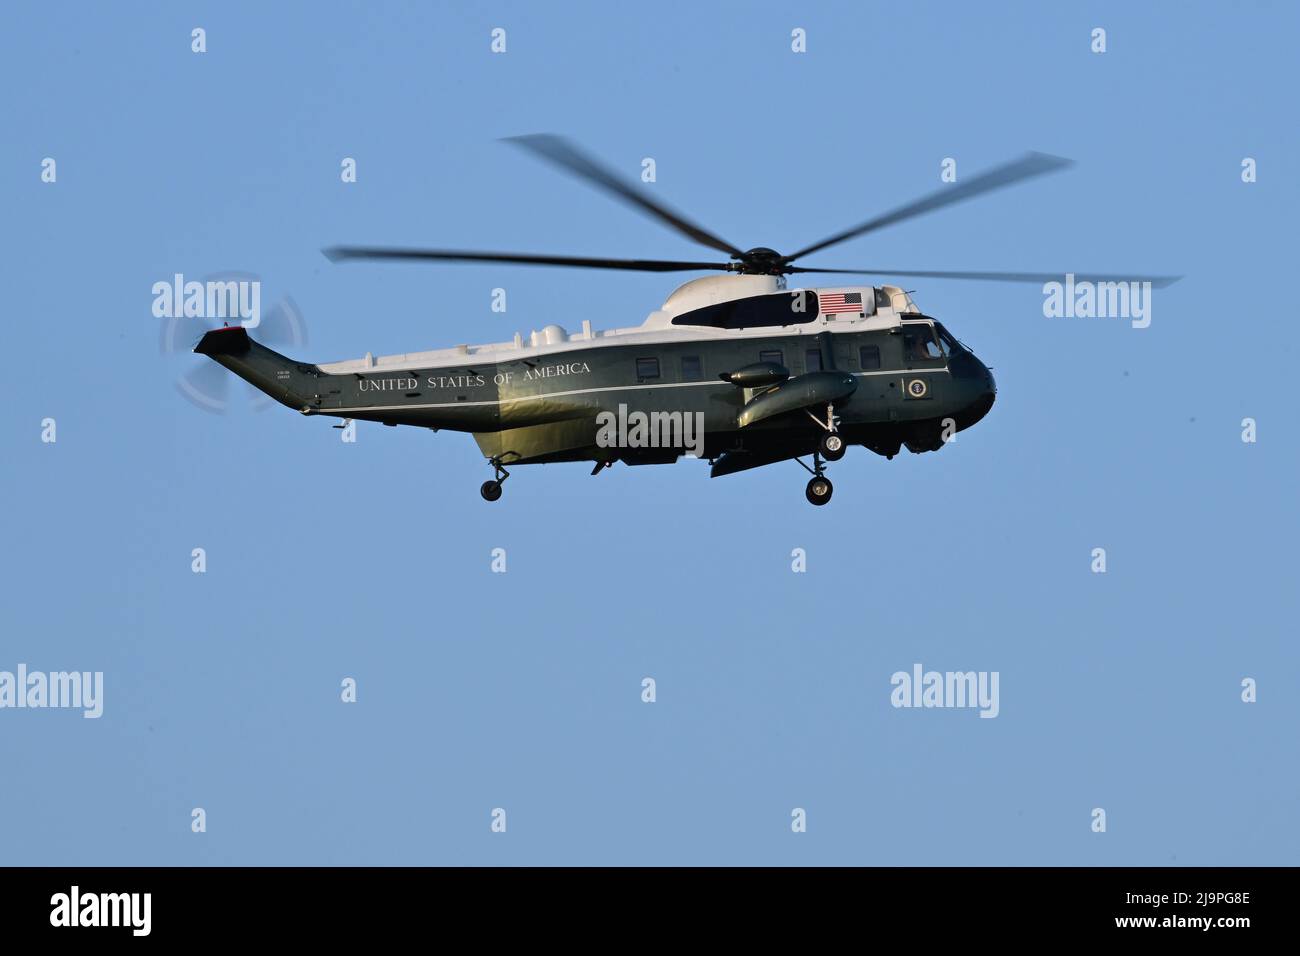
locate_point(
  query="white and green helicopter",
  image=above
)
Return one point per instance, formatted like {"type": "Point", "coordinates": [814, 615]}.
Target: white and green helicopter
{"type": "Point", "coordinates": [739, 368]}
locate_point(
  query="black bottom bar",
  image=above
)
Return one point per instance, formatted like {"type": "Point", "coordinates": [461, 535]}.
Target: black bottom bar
{"type": "Point", "coordinates": [377, 904]}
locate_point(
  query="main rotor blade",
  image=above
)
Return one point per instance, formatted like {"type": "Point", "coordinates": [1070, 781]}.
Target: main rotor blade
{"type": "Point", "coordinates": [1157, 282]}
{"type": "Point", "coordinates": [344, 253]}
{"type": "Point", "coordinates": [1016, 171]}
{"type": "Point", "coordinates": [564, 154]}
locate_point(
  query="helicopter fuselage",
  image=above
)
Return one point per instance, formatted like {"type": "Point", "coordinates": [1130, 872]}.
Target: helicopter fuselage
{"type": "Point", "coordinates": [901, 380]}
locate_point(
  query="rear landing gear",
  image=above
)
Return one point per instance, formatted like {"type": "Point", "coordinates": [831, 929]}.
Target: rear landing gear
{"type": "Point", "coordinates": [491, 490]}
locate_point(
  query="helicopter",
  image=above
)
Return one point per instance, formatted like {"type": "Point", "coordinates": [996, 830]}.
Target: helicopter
{"type": "Point", "coordinates": [739, 368]}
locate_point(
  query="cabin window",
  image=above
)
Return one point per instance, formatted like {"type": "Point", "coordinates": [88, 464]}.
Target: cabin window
{"type": "Point", "coordinates": [813, 360]}
{"type": "Point", "coordinates": [756, 311]}
{"type": "Point", "coordinates": [647, 368]}
{"type": "Point", "coordinates": [772, 355]}
{"type": "Point", "coordinates": [869, 357]}
{"type": "Point", "coordinates": [692, 368]}
{"type": "Point", "coordinates": [920, 347]}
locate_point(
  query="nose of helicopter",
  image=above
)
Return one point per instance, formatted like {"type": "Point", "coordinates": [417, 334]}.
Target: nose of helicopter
{"type": "Point", "coordinates": [980, 407]}
{"type": "Point", "coordinates": [990, 385]}
{"type": "Point", "coordinates": [988, 393]}
{"type": "Point", "coordinates": [979, 390]}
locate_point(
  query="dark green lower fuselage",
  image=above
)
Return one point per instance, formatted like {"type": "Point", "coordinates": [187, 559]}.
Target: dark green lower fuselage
{"type": "Point", "coordinates": [544, 408]}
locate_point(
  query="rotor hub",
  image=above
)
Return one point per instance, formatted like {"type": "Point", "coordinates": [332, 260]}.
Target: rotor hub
{"type": "Point", "coordinates": [760, 261]}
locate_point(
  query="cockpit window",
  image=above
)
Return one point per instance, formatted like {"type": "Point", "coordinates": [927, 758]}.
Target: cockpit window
{"type": "Point", "coordinates": [920, 347]}
{"type": "Point", "coordinates": [755, 311]}
{"type": "Point", "coordinates": [949, 343]}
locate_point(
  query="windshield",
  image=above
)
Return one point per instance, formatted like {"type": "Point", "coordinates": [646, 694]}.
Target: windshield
{"type": "Point", "coordinates": [950, 344]}
{"type": "Point", "coordinates": [919, 345]}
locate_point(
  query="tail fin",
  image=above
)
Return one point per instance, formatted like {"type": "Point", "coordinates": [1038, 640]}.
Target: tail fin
{"type": "Point", "coordinates": [290, 383]}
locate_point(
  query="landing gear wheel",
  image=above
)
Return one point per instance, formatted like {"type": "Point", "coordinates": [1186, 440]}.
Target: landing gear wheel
{"type": "Point", "coordinates": [491, 490]}
{"type": "Point", "coordinates": [832, 447]}
{"type": "Point", "coordinates": [819, 490]}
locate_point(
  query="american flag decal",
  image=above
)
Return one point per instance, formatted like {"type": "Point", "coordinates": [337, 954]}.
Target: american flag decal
{"type": "Point", "coordinates": [832, 302]}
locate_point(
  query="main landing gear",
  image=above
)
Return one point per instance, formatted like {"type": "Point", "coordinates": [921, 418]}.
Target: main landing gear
{"type": "Point", "coordinates": [491, 490]}
{"type": "Point", "coordinates": [819, 488]}
{"type": "Point", "coordinates": [832, 445]}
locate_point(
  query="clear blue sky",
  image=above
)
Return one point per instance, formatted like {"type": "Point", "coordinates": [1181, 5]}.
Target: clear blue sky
{"type": "Point", "coordinates": [522, 690]}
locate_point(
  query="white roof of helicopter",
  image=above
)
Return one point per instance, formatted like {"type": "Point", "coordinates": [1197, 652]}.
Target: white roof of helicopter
{"type": "Point", "coordinates": [656, 329]}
